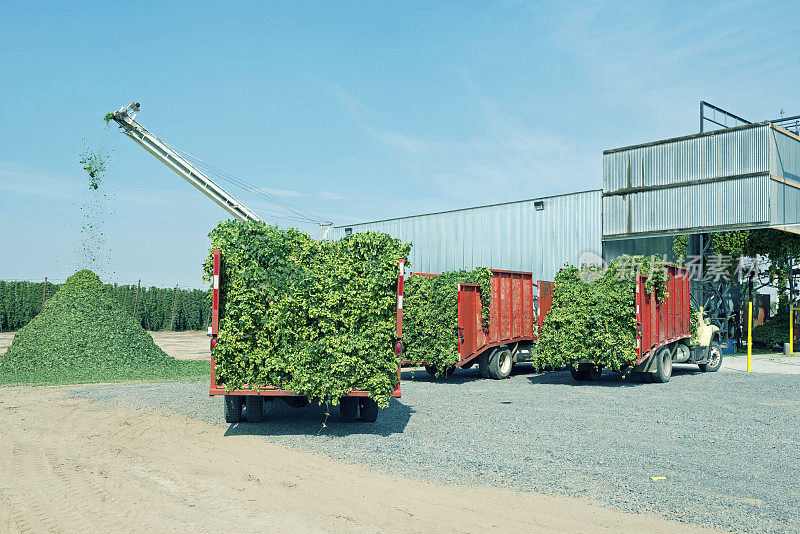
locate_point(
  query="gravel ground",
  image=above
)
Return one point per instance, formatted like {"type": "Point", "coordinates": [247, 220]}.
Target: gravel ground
{"type": "Point", "coordinates": [728, 443]}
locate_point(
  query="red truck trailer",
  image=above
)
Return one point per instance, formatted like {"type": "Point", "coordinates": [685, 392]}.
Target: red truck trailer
{"type": "Point", "coordinates": [544, 301]}
{"type": "Point", "coordinates": [663, 333]}
{"type": "Point", "coordinates": [355, 403]}
{"type": "Point", "coordinates": [512, 324]}
{"type": "Point", "coordinates": [512, 328]}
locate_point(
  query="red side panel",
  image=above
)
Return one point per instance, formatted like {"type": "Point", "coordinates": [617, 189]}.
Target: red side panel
{"type": "Point", "coordinates": [526, 320]}
{"type": "Point", "coordinates": [217, 255]}
{"type": "Point", "coordinates": [661, 323]}
{"type": "Point", "coordinates": [511, 306]}
{"type": "Point", "coordinates": [399, 318]}
{"type": "Point", "coordinates": [545, 300]}
{"type": "Point", "coordinates": [215, 293]}
{"type": "Point", "coordinates": [471, 334]}
{"type": "Point", "coordinates": [399, 324]}
{"type": "Point", "coordinates": [511, 314]}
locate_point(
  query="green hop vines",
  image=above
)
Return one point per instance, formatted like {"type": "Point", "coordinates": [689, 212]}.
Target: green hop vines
{"type": "Point", "coordinates": [430, 315]}
{"type": "Point", "coordinates": [596, 320]}
{"type": "Point", "coordinates": [317, 318]}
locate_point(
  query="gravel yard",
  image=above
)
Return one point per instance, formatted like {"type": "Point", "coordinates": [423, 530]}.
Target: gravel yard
{"type": "Point", "coordinates": [728, 443]}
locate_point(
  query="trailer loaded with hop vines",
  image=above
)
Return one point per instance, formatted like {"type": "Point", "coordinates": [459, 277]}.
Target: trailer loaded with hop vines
{"type": "Point", "coordinates": [624, 320]}
{"type": "Point", "coordinates": [461, 318]}
{"type": "Point", "coordinates": [299, 320]}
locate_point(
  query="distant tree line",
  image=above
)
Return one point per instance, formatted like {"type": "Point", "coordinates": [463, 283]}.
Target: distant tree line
{"type": "Point", "coordinates": [153, 306]}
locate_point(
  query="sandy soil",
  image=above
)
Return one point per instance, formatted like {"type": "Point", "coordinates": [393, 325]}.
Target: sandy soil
{"type": "Point", "coordinates": [191, 345]}
{"type": "Point", "coordinates": [67, 464]}
{"type": "Point", "coordinates": [5, 341]}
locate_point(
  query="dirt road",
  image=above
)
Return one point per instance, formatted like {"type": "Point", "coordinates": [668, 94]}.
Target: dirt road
{"type": "Point", "coordinates": [67, 464]}
{"type": "Point", "coordinates": [191, 345]}
{"type": "Point", "coordinates": [5, 340]}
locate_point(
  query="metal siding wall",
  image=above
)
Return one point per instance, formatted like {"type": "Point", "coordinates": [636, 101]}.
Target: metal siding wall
{"type": "Point", "coordinates": [786, 156]}
{"type": "Point", "coordinates": [784, 204]}
{"type": "Point", "coordinates": [732, 202]}
{"type": "Point", "coordinates": [674, 162]}
{"type": "Point", "coordinates": [509, 236]}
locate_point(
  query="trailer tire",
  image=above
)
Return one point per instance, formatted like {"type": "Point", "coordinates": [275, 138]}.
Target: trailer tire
{"type": "Point", "coordinates": [714, 359]}
{"type": "Point", "coordinates": [500, 363]}
{"type": "Point", "coordinates": [483, 365]}
{"type": "Point", "coordinates": [368, 408]}
{"type": "Point", "coordinates": [594, 372]}
{"type": "Point", "coordinates": [578, 374]}
{"type": "Point", "coordinates": [233, 408]}
{"type": "Point", "coordinates": [254, 409]}
{"type": "Point", "coordinates": [348, 409]}
{"type": "Point", "coordinates": [663, 366]}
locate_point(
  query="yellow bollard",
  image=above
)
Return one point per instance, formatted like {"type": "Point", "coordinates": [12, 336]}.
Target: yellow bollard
{"type": "Point", "coordinates": [749, 334]}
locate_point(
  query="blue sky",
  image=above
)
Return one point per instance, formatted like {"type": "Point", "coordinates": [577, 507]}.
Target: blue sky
{"type": "Point", "coordinates": [355, 110]}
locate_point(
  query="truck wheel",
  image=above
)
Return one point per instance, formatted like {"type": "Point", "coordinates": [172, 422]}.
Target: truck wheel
{"type": "Point", "coordinates": [233, 408]}
{"type": "Point", "coordinates": [663, 366]}
{"type": "Point", "coordinates": [253, 409]}
{"type": "Point", "coordinates": [500, 363]}
{"type": "Point", "coordinates": [594, 372]}
{"type": "Point", "coordinates": [296, 402]}
{"type": "Point", "coordinates": [578, 374]}
{"type": "Point", "coordinates": [348, 409]}
{"type": "Point", "coordinates": [431, 369]}
{"type": "Point", "coordinates": [714, 359]}
{"type": "Point", "coordinates": [368, 407]}
{"type": "Point", "coordinates": [483, 365]}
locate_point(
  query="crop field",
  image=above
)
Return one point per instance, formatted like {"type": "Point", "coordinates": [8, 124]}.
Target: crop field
{"type": "Point", "coordinates": [155, 308]}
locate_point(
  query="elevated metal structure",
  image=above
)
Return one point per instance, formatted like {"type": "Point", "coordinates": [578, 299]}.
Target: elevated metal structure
{"type": "Point", "coordinates": [125, 117]}
{"type": "Point", "coordinates": [195, 171]}
{"type": "Point", "coordinates": [736, 178]}
{"type": "Point", "coordinates": [713, 114]}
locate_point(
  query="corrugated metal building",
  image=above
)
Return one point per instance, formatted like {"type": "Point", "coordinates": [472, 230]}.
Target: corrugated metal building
{"type": "Point", "coordinates": [743, 177]}
{"type": "Point", "coordinates": [538, 235]}
{"type": "Point", "coordinates": [737, 178]}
